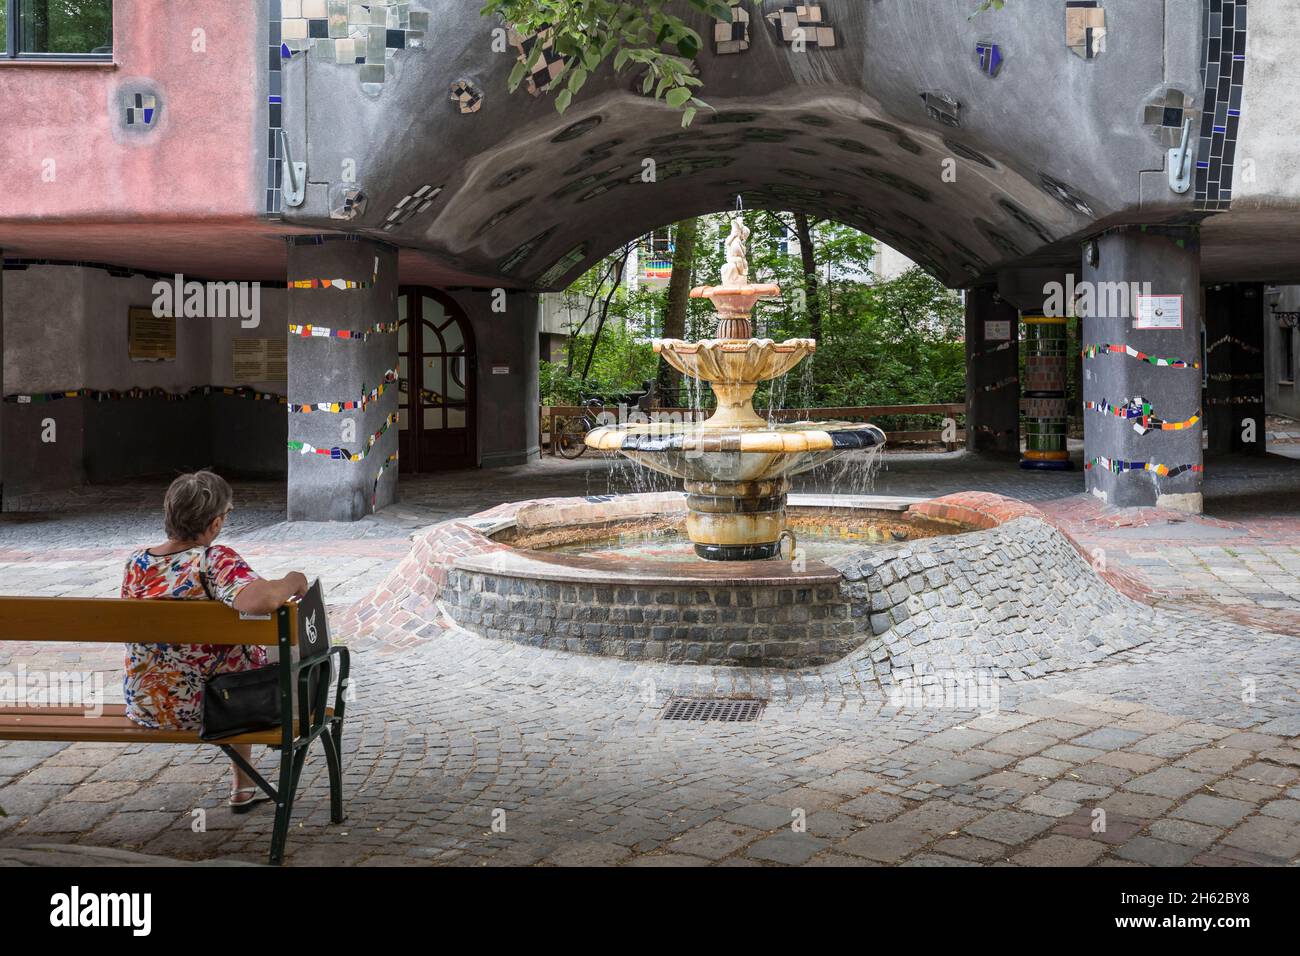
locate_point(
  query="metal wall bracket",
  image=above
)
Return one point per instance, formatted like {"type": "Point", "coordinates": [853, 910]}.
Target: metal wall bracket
{"type": "Point", "coordinates": [1180, 162]}
{"type": "Point", "coordinates": [294, 184]}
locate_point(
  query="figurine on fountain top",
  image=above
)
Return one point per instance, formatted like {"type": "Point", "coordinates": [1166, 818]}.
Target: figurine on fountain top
{"type": "Point", "coordinates": [735, 274]}
{"type": "Point", "coordinates": [734, 300]}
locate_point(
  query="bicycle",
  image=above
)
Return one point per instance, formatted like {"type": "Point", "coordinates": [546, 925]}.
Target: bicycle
{"type": "Point", "coordinates": [571, 432]}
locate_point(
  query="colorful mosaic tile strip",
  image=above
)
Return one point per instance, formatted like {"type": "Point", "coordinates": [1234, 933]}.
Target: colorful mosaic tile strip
{"type": "Point", "coordinates": [1223, 69]}
{"type": "Point", "coordinates": [342, 454]}
{"type": "Point", "coordinates": [995, 349]}
{"type": "Point", "coordinates": [1117, 467]}
{"type": "Point", "coordinates": [389, 462]}
{"type": "Point", "coordinates": [320, 332]}
{"type": "Point", "coordinates": [134, 394]}
{"type": "Point", "coordinates": [1236, 377]}
{"type": "Point", "coordinates": [338, 284]}
{"type": "Point", "coordinates": [1092, 351]}
{"type": "Point", "coordinates": [390, 378]}
{"type": "Point", "coordinates": [1003, 383]}
{"type": "Point", "coordinates": [1138, 411]}
{"type": "Point", "coordinates": [1232, 340]}
{"type": "Point", "coordinates": [1238, 400]}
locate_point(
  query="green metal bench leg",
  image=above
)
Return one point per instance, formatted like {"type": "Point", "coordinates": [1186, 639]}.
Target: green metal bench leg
{"type": "Point", "coordinates": [335, 761]}
{"type": "Point", "coordinates": [283, 806]}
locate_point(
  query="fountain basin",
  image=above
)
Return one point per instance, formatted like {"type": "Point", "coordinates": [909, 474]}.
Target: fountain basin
{"type": "Point", "coordinates": [578, 575]}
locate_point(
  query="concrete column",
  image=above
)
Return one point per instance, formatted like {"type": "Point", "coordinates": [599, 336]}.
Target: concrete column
{"type": "Point", "coordinates": [1234, 369]}
{"type": "Point", "coordinates": [992, 387]}
{"type": "Point", "coordinates": [327, 368]}
{"type": "Point", "coordinates": [1144, 370]}
{"type": "Point", "coordinates": [508, 350]}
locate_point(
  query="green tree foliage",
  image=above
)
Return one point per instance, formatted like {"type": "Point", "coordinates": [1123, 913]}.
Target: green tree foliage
{"type": "Point", "coordinates": [643, 37]}
{"type": "Point", "coordinates": [885, 343]}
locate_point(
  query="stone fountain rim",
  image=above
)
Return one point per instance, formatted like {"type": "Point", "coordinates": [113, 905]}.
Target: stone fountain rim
{"type": "Point", "coordinates": [502, 559]}
{"type": "Point", "coordinates": [733, 346]}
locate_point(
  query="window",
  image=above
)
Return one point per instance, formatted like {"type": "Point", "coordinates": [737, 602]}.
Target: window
{"type": "Point", "coordinates": [56, 29]}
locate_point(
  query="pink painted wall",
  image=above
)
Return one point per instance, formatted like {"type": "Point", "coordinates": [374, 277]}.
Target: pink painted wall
{"type": "Point", "coordinates": [203, 160]}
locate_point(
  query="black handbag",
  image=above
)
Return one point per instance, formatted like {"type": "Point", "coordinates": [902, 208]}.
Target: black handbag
{"type": "Point", "coordinates": [240, 703]}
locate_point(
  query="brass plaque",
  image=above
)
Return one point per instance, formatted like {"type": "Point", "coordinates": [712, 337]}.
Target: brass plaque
{"type": "Point", "coordinates": [259, 360]}
{"type": "Point", "coordinates": [150, 338]}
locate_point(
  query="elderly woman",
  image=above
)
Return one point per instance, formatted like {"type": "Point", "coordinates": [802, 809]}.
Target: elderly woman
{"type": "Point", "coordinates": [164, 682]}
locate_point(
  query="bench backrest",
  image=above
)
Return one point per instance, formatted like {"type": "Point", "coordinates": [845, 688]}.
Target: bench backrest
{"type": "Point", "coordinates": [119, 621]}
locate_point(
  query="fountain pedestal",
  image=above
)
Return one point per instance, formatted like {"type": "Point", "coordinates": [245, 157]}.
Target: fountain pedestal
{"type": "Point", "coordinates": [736, 520]}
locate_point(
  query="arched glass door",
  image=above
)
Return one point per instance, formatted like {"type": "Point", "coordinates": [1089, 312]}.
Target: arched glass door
{"type": "Point", "coordinates": [436, 353]}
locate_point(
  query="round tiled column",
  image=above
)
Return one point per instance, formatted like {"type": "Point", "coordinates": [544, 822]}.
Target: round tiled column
{"type": "Point", "coordinates": [1043, 401]}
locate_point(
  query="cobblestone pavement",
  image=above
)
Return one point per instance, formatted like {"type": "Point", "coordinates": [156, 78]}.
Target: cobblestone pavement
{"type": "Point", "coordinates": [1188, 744]}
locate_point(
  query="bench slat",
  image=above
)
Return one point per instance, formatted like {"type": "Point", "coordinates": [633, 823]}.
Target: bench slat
{"type": "Point", "coordinates": [71, 724]}
{"type": "Point", "coordinates": [117, 621]}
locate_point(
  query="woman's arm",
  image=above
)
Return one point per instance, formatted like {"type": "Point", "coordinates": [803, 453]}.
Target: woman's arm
{"type": "Point", "coordinates": [263, 597]}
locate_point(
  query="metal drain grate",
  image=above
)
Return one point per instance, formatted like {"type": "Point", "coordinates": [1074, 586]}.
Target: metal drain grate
{"type": "Point", "coordinates": [712, 708]}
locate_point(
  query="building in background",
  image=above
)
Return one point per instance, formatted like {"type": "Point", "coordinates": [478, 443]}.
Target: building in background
{"type": "Point", "coordinates": [1282, 350]}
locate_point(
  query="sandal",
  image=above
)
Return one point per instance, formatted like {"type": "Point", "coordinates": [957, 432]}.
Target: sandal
{"type": "Point", "coordinates": [255, 796]}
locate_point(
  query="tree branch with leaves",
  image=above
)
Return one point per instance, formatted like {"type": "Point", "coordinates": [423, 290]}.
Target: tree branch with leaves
{"type": "Point", "coordinates": [634, 36]}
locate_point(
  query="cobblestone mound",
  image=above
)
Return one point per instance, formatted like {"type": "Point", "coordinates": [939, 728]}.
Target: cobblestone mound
{"type": "Point", "coordinates": [1017, 599]}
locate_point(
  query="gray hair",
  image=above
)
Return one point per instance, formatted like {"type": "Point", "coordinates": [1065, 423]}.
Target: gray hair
{"type": "Point", "coordinates": [193, 502]}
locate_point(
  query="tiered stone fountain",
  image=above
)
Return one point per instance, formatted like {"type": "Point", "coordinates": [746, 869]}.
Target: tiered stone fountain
{"type": "Point", "coordinates": [903, 590]}
{"type": "Point", "coordinates": [736, 465]}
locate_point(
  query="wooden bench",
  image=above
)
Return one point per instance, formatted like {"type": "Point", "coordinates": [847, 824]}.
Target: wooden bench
{"type": "Point", "coordinates": [111, 621]}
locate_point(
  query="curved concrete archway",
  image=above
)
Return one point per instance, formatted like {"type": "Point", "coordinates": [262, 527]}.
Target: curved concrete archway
{"type": "Point", "coordinates": [896, 129]}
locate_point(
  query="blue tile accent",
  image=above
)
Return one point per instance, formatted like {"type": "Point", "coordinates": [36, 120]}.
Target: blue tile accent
{"type": "Point", "coordinates": [1223, 66]}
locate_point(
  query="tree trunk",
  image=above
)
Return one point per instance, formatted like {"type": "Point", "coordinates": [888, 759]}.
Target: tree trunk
{"type": "Point", "coordinates": [604, 311]}
{"type": "Point", "coordinates": [679, 294]}
{"type": "Point", "coordinates": [811, 283]}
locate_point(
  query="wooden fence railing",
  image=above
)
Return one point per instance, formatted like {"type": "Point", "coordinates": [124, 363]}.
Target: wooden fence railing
{"type": "Point", "coordinates": [552, 416]}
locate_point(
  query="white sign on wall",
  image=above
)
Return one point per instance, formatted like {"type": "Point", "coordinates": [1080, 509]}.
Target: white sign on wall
{"type": "Point", "coordinates": [1159, 312]}
{"type": "Point", "coordinates": [997, 331]}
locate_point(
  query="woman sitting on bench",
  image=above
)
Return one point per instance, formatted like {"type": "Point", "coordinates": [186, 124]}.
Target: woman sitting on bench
{"type": "Point", "coordinates": [164, 682]}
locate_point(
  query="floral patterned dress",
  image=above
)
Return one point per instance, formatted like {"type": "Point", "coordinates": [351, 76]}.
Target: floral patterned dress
{"type": "Point", "coordinates": [164, 682]}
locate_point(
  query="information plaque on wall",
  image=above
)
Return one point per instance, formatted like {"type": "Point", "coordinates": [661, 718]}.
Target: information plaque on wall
{"type": "Point", "coordinates": [150, 338]}
{"type": "Point", "coordinates": [259, 360]}
{"type": "Point", "coordinates": [997, 331]}
{"type": "Point", "coordinates": [1159, 312]}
